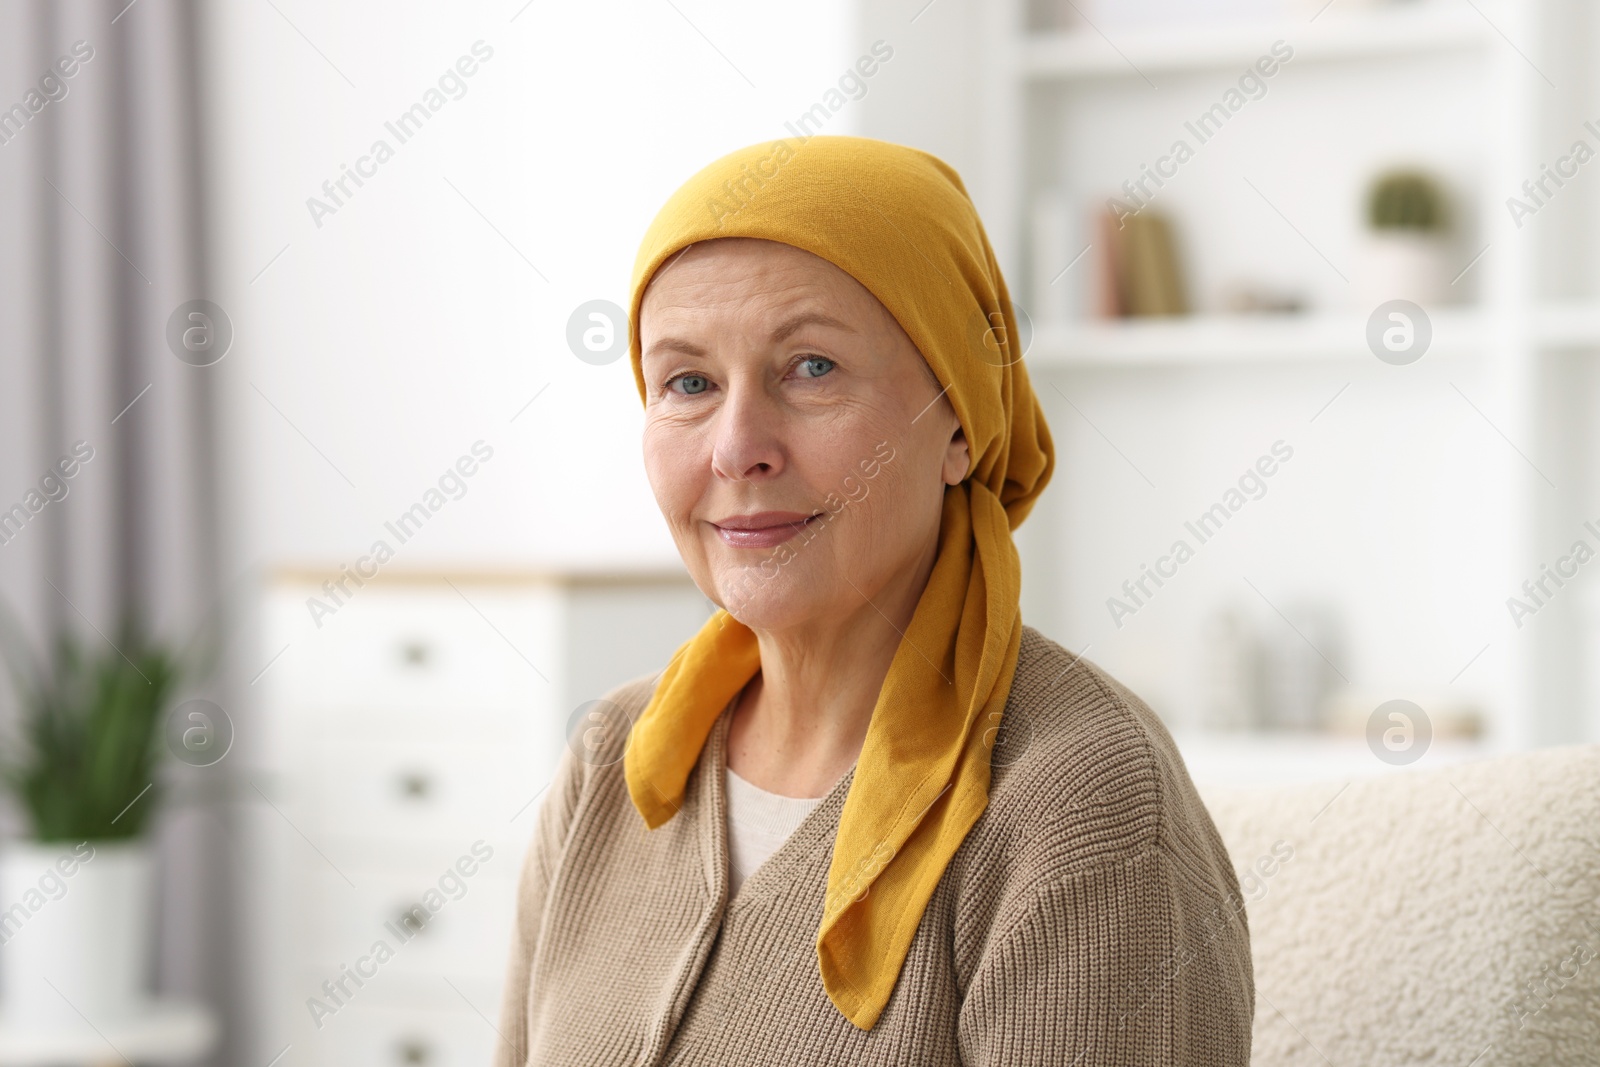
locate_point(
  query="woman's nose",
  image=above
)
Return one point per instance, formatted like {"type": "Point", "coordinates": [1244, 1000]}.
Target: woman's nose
{"type": "Point", "coordinates": [747, 434]}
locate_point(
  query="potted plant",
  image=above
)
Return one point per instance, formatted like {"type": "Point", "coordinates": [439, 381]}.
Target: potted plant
{"type": "Point", "coordinates": [75, 895]}
{"type": "Point", "coordinates": [1405, 254]}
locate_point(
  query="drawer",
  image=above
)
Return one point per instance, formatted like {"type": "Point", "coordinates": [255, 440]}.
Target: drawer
{"type": "Point", "coordinates": [466, 937]}
{"type": "Point", "coordinates": [424, 786]}
{"type": "Point", "coordinates": [363, 1034]}
{"type": "Point", "coordinates": [423, 649]}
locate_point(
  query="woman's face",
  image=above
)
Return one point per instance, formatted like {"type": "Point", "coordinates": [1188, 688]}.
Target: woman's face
{"type": "Point", "coordinates": [796, 442]}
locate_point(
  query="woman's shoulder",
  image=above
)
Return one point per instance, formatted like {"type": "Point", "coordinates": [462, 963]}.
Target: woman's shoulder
{"type": "Point", "coordinates": [630, 697]}
{"type": "Point", "coordinates": [1084, 772]}
{"type": "Point", "coordinates": [596, 739]}
{"type": "Point", "coordinates": [1095, 866]}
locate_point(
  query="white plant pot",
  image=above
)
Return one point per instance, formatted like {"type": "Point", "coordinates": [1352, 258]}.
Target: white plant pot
{"type": "Point", "coordinates": [1402, 265]}
{"type": "Point", "coordinates": [74, 932]}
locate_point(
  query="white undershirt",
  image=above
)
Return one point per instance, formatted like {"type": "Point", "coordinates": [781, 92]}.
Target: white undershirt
{"type": "Point", "coordinates": [759, 823]}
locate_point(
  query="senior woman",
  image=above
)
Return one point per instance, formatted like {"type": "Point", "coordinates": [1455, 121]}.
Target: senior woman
{"type": "Point", "coordinates": [866, 815]}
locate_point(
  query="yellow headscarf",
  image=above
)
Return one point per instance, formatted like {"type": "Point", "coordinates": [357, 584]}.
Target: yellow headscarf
{"type": "Point", "coordinates": [900, 222]}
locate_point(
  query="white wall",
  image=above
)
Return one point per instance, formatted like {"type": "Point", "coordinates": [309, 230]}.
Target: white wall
{"type": "Point", "coordinates": [377, 348]}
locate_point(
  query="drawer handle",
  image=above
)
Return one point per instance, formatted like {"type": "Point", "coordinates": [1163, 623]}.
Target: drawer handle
{"type": "Point", "coordinates": [414, 1050]}
{"type": "Point", "coordinates": [415, 785]}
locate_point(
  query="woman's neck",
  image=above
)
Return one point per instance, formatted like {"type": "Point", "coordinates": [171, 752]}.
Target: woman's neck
{"type": "Point", "coordinates": [800, 723]}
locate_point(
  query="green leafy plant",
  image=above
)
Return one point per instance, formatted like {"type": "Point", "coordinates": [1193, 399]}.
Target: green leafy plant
{"type": "Point", "coordinates": [1405, 200]}
{"type": "Point", "coordinates": [90, 723]}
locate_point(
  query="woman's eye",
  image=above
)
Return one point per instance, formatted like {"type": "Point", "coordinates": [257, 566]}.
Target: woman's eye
{"type": "Point", "coordinates": [812, 363]}
{"type": "Point", "coordinates": [692, 383]}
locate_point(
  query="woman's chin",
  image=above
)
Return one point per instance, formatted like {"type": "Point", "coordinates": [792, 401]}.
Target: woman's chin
{"type": "Point", "coordinates": [771, 604]}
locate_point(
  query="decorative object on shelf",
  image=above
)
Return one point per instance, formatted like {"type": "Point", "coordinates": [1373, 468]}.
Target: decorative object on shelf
{"type": "Point", "coordinates": [1270, 674]}
{"type": "Point", "coordinates": [1405, 250]}
{"type": "Point", "coordinates": [77, 895]}
{"type": "Point", "coordinates": [1251, 298]}
{"type": "Point", "coordinates": [1139, 273]}
{"type": "Point", "coordinates": [1228, 648]}
{"type": "Point", "coordinates": [1298, 665]}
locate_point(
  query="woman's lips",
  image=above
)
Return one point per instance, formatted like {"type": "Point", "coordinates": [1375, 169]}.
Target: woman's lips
{"type": "Point", "coordinates": [763, 529]}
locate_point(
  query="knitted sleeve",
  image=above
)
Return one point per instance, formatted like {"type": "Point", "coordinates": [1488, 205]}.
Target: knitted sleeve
{"type": "Point", "coordinates": [1128, 962]}
{"type": "Point", "coordinates": [550, 830]}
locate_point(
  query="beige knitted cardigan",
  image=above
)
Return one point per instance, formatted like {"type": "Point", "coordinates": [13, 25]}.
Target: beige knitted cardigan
{"type": "Point", "coordinates": [1090, 917]}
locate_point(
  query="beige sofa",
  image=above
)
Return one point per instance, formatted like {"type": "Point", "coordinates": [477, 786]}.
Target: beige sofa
{"type": "Point", "coordinates": [1448, 917]}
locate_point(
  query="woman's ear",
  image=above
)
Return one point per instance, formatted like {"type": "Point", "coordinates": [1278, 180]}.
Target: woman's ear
{"type": "Point", "coordinates": [957, 459]}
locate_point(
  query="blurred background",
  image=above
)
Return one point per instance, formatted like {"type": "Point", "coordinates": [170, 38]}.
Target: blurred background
{"type": "Point", "coordinates": [313, 396]}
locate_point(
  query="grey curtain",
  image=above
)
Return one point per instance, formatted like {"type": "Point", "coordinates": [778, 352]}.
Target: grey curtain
{"type": "Point", "coordinates": [103, 194]}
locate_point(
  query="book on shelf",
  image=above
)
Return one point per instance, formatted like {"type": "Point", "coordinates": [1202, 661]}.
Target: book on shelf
{"type": "Point", "coordinates": [1138, 270]}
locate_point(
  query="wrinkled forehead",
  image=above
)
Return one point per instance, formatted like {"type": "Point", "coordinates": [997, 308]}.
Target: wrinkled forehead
{"type": "Point", "coordinates": [740, 256]}
{"type": "Point", "coordinates": [818, 293]}
{"type": "Point", "coordinates": [789, 286]}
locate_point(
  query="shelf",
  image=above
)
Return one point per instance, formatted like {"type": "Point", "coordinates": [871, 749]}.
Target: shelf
{"type": "Point", "coordinates": [1404, 29]}
{"type": "Point", "coordinates": [1213, 339]}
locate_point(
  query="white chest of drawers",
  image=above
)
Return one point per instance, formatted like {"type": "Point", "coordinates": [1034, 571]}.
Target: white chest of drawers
{"type": "Point", "coordinates": [403, 743]}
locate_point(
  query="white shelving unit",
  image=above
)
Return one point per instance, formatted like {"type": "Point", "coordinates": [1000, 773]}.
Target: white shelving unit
{"type": "Point", "coordinates": [1479, 92]}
